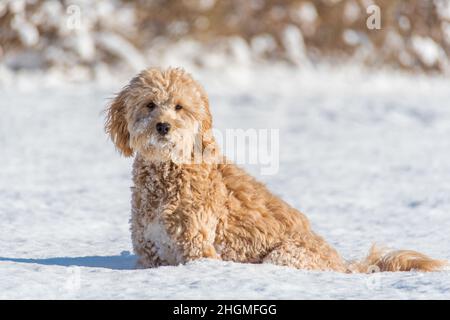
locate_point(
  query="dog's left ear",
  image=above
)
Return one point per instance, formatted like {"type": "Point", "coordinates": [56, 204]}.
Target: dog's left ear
{"type": "Point", "coordinates": [210, 151]}
{"type": "Point", "coordinates": [116, 124]}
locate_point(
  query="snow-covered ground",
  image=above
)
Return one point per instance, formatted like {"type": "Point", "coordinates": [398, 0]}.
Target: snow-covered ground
{"type": "Point", "coordinates": [365, 156]}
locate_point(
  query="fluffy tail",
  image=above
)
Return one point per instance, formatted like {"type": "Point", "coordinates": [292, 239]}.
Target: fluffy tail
{"type": "Point", "coordinates": [380, 259]}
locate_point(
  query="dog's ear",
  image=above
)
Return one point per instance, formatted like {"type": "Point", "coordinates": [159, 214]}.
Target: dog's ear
{"type": "Point", "coordinates": [116, 124]}
{"type": "Point", "coordinates": [210, 151]}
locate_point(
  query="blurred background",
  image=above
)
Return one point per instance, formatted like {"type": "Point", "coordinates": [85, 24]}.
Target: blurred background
{"type": "Point", "coordinates": [84, 39]}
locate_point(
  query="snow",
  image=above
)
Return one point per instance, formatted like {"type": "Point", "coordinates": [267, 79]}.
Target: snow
{"type": "Point", "coordinates": [307, 12]}
{"type": "Point", "coordinates": [122, 48]}
{"type": "Point", "coordinates": [427, 49]}
{"type": "Point", "coordinates": [295, 45]}
{"type": "Point", "coordinates": [364, 155]}
{"type": "Point", "coordinates": [351, 12]}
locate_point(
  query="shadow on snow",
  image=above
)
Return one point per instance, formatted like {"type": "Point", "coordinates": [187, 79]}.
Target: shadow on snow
{"type": "Point", "coordinates": [124, 261]}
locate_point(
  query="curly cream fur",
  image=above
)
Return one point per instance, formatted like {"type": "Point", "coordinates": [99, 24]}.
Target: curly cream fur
{"type": "Point", "coordinates": [211, 209]}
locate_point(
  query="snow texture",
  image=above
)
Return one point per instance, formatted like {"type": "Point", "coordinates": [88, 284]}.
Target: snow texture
{"type": "Point", "coordinates": [365, 156]}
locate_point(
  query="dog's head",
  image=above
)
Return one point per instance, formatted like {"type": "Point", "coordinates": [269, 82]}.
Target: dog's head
{"type": "Point", "coordinates": [160, 114]}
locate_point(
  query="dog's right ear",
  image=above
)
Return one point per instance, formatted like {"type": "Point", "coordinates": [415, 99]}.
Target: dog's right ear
{"type": "Point", "coordinates": [116, 124]}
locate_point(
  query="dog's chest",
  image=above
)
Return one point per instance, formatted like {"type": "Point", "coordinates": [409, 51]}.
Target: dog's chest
{"type": "Point", "coordinates": [157, 194]}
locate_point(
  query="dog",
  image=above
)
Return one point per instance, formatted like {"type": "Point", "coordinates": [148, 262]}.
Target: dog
{"type": "Point", "coordinates": [185, 209]}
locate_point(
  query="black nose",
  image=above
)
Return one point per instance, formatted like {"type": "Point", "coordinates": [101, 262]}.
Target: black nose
{"type": "Point", "coordinates": [162, 128]}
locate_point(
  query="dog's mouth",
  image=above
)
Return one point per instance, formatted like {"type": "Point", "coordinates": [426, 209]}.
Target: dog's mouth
{"type": "Point", "coordinates": [158, 141]}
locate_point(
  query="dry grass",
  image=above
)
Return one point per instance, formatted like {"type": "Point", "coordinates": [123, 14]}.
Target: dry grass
{"type": "Point", "coordinates": [331, 29]}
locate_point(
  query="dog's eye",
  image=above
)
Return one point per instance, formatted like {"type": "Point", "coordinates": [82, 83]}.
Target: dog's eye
{"type": "Point", "coordinates": [151, 106]}
{"type": "Point", "coordinates": [178, 107]}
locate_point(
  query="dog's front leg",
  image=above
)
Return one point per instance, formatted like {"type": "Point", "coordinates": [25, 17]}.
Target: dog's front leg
{"type": "Point", "coordinates": [199, 247]}
{"type": "Point", "coordinates": [196, 236]}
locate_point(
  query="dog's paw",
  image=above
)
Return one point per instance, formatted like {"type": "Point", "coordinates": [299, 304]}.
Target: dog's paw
{"type": "Point", "coordinates": [210, 252]}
